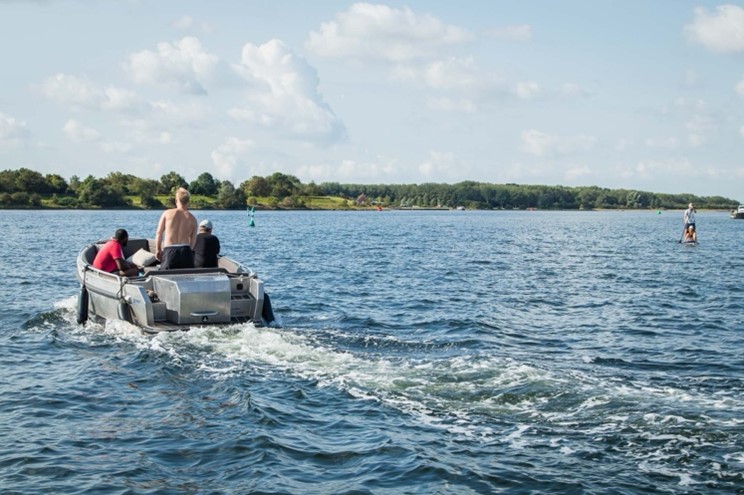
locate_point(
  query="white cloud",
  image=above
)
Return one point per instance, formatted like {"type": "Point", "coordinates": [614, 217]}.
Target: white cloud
{"type": "Point", "coordinates": [740, 87]}
{"type": "Point", "coordinates": [379, 32]}
{"type": "Point", "coordinates": [184, 64]}
{"type": "Point", "coordinates": [81, 93]}
{"type": "Point", "coordinates": [527, 90]}
{"type": "Point", "coordinates": [720, 31]}
{"type": "Point", "coordinates": [119, 99]}
{"type": "Point", "coordinates": [541, 144]}
{"type": "Point", "coordinates": [77, 132]}
{"type": "Point", "coordinates": [517, 32]}
{"type": "Point", "coordinates": [459, 74]}
{"type": "Point", "coordinates": [12, 132]}
{"type": "Point", "coordinates": [228, 156]}
{"type": "Point", "coordinates": [285, 96]}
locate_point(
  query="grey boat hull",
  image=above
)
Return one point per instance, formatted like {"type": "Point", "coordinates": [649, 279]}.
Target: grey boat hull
{"type": "Point", "coordinates": [171, 300]}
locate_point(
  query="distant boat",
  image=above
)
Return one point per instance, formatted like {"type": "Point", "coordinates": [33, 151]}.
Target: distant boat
{"type": "Point", "coordinates": [738, 213]}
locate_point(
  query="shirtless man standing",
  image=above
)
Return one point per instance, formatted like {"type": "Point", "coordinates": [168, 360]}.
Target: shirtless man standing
{"type": "Point", "coordinates": [176, 234]}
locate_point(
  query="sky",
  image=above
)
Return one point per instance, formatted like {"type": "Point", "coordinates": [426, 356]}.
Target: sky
{"type": "Point", "coordinates": [634, 94]}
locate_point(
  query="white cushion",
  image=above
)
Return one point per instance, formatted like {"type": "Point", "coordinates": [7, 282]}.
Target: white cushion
{"type": "Point", "coordinates": [143, 257]}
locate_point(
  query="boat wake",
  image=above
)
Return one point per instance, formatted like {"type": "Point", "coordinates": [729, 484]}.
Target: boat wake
{"type": "Point", "coordinates": [482, 397]}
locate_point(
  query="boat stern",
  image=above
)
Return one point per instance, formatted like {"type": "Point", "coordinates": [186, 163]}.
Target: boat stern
{"type": "Point", "coordinates": [193, 300]}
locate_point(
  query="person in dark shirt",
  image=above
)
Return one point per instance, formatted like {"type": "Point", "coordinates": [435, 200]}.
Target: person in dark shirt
{"type": "Point", "coordinates": [207, 246]}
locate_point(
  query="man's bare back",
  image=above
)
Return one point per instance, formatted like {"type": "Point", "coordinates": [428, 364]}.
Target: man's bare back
{"type": "Point", "coordinates": [177, 226]}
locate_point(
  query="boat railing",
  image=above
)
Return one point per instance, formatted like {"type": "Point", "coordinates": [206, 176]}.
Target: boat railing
{"type": "Point", "coordinates": [153, 270]}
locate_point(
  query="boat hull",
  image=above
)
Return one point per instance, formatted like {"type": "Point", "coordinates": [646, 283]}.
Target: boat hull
{"type": "Point", "coordinates": [171, 300]}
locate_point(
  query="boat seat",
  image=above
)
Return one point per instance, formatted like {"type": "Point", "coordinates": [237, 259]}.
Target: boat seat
{"type": "Point", "coordinates": [90, 253]}
{"type": "Point", "coordinates": [134, 245]}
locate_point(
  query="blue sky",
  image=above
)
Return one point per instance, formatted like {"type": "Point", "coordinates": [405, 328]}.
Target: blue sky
{"type": "Point", "coordinates": [632, 94]}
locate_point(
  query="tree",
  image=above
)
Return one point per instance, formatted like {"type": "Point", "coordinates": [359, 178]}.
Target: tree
{"type": "Point", "coordinates": [230, 198]}
{"type": "Point", "coordinates": [170, 182]}
{"type": "Point", "coordinates": [20, 198]}
{"type": "Point", "coordinates": [95, 192]}
{"type": "Point", "coordinates": [312, 189]}
{"type": "Point", "coordinates": [284, 185]}
{"type": "Point", "coordinates": [7, 182]}
{"type": "Point", "coordinates": [146, 189]}
{"type": "Point", "coordinates": [256, 186]}
{"type": "Point", "coordinates": [204, 184]}
{"type": "Point", "coordinates": [56, 183]}
{"type": "Point", "coordinates": [30, 181]}
{"type": "Point", "coordinates": [123, 184]}
{"type": "Point", "coordinates": [74, 184]}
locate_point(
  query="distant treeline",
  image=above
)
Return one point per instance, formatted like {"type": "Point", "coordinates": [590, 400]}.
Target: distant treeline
{"type": "Point", "coordinates": [29, 189]}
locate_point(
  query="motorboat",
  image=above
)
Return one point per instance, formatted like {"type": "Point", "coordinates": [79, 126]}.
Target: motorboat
{"type": "Point", "coordinates": [170, 300]}
{"type": "Point", "coordinates": [738, 213]}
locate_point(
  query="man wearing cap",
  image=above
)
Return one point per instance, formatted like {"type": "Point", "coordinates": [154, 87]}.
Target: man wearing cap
{"type": "Point", "coordinates": [207, 246]}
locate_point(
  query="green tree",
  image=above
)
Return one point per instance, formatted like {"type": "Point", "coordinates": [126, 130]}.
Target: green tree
{"type": "Point", "coordinates": [73, 184]}
{"type": "Point", "coordinates": [56, 183]}
{"type": "Point", "coordinates": [144, 187]}
{"type": "Point", "coordinates": [20, 198]}
{"type": "Point", "coordinates": [170, 182]}
{"type": "Point", "coordinates": [30, 181]}
{"type": "Point", "coordinates": [96, 192]}
{"type": "Point", "coordinates": [204, 184]}
{"type": "Point", "coordinates": [256, 186]}
{"type": "Point", "coordinates": [230, 198]}
{"type": "Point", "coordinates": [312, 189]}
{"type": "Point", "coordinates": [284, 185]}
{"type": "Point", "coordinates": [7, 181]}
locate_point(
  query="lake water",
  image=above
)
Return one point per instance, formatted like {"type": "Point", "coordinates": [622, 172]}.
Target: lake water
{"type": "Point", "coordinates": [421, 352]}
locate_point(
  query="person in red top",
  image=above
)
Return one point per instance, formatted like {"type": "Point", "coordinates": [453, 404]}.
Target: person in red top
{"type": "Point", "coordinates": [110, 257]}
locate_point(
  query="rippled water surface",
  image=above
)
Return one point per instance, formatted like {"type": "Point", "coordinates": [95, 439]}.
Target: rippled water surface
{"type": "Point", "coordinates": [420, 352]}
